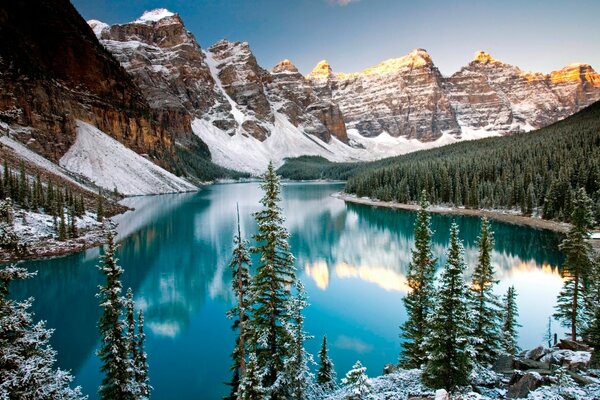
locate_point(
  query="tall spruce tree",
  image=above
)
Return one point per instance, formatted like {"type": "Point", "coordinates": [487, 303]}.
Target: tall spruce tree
{"type": "Point", "coordinates": [577, 250]}
{"type": "Point", "coordinates": [509, 335]}
{"type": "Point", "coordinates": [592, 332]}
{"type": "Point", "coordinates": [269, 336]}
{"type": "Point", "coordinates": [326, 376]}
{"type": "Point", "coordinates": [240, 284]}
{"type": "Point", "coordinates": [141, 361]}
{"type": "Point", "coordinates": [27, 360]}
{"type": "Point", "coordinates": [418, 301]}
{"type": "Point", "coordinates": [114, 349]}
{"type": "Point", "coordinates": [448, 345]}
{"type": "Point", "coordinates": [485, 305]}
{"type": "Point", "coordinates": [298, 374]}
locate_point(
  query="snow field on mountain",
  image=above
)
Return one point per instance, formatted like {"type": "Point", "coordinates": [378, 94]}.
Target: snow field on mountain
{"type": "Point", "coordinates": [38, 160]}
{"type": "Point", "coordinates": [109, 164]}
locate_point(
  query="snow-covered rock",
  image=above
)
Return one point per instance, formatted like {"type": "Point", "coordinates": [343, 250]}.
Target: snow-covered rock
{"type": "Point", "coordinates": [109, 164]}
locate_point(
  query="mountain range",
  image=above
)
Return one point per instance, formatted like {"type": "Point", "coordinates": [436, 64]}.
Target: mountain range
{"type": "Point", "coordinates": [152, 87]}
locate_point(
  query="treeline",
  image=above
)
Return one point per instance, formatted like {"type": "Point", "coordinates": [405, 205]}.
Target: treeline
{"type": "Point", "coordinates": [533, 172]}
{"type": "Point", "coordinates": [32, 194]}
{"type": "Point", "coordinates": [305, 168]}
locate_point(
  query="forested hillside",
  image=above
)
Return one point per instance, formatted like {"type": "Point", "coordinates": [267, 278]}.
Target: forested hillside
{"type": "Point", "coordinates": [534, 171]}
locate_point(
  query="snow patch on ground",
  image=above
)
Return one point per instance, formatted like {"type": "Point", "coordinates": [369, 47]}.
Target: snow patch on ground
{"type": "Point", "coordinates": [245, 153]}
{"type": "Point", "coordinates": [34, 158]}
{"type": "Point", "coordinates": [109, 164]}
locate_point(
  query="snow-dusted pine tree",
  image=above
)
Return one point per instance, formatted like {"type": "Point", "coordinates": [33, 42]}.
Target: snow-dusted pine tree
{"type": "Point", "coordinates": [251, 387]}
{"type": "Point", "coordinates": [117, 366]}
{"type": "Point", "coordinates": [326, 376]}
{"type": "Point", "coordinates": [270, 339]}
{"type": "Point", "coordinates": [509, 335]}
{"type": "Point", "coordinates": [357, 381]}
{"type": "Point", "coordinates": [140, 361]}
{"type": "Point", "coordinates": [592, 332]}
{"type": "Point", "coordinates": [240, 284]}
{"type": "Point", "coordinates": [448, 345]}
{"type": "Point", "coordinates": [418, 301]}
{"type": "Point", "coordinates": [131, 339]}
{"type": "Point", "coordinates": [298, 375]}
{"type": "Point", "coordinates": [484, 304]}
{"type": "Point", "coordinates": [26, 358]}
{"type": "Point", "coordinates": [570, 303]}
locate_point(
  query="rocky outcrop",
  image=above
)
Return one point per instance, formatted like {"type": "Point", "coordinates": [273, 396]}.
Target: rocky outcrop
{"type": "Point", "coordinates": [53, 71]}
{"type": "Point", "coordinates": [295, 98]}
{"type": "Point", "coordinates": [403, 97]}
{"type": "Point", "coordinates": [490, 95]}
{"type": "Point", "coordinates": [409, 97]}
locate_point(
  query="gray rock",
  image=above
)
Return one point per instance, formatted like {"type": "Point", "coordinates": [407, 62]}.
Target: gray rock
{"type": "Point", "coordinates": [504, 363]}
{"type": "Point", "coordinates": [536, 353]}
{"type": "Point", "coordinates": [525, 364]}
{"type": "Point", "coordinates": [566, 344]}
{"type": "Point", "coordinates": [528, 383]}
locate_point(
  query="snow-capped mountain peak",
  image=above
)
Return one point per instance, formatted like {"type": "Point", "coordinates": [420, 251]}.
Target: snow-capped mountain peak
{"type": "Point", "coordinates": [98, 26]}
{"type": "Point", "coordinates": [154, 16]}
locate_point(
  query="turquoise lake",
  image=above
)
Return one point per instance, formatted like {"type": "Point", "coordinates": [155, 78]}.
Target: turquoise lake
{"type": "Point", "coordinates": [353, 259]}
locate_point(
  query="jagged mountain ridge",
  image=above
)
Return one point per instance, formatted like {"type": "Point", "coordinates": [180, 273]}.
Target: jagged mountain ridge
{"type": "Point", "coordinates": [398, 106]}
{"type": "Point", "coordinates": [409, 97]}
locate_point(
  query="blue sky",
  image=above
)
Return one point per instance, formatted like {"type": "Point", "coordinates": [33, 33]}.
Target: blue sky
{"type": "Point", "coordinates": [355, 34]}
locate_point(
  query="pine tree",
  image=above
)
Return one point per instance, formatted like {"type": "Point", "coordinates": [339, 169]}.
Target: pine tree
{"type": "Point", "coordinates": [357, 381]}
{"type": "Point", "coordinates": [141, 361]}
{"type": "Point", "coordinates": [240, 284]}
{"type": "Point", "coordinates": [298, 375]}
{"type": "Point", "coordinates": [450, 352]}
{"type": "Point", "coordinates": [418, 301]}
{"type": "Point", "coordinates": [114, 349]}
{"type": "Point", "coordinates": [62, 226]}
{"type": "Point", "coordinates": [509, 335]}
{"type": "Point", "coordinates": [548, 333]}
{"type": "Point", "coordinates": [100, 207]}
{"type": "Point", "coordinates": [270, 341]}
{"type": "Point", "coordinates": [592, 332]}
{"type": "Point", "coordinates": [72, 223]}
{"type": "Point", "coordinates": [484, 303]}
{"type": "Point", "coordinates": [26, 357]}
{"type": "Point", "coordinates": [570, 304]}
{"type": "Point", "coordinates": [251, 387]}
{"type": "Point", "coordinates": [326, 376]}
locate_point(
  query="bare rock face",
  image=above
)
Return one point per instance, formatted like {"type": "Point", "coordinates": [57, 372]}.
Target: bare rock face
{"type": "Point", "coordinates": [168, 65]}
{"type": "Point", "coordinates": [490, 95]}
{"type": "Point", "coordinates": [53, 71]}
{"type": "Point", "coordinates": [404, 97]}
{"type": "Point", "coordinates": [243, 80]}
{"type": "Point", "coordinates": [295, 98]}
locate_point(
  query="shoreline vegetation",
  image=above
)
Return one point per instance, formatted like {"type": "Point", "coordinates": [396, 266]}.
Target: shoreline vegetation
{"type": "Point", "coordinates": [498, 215]}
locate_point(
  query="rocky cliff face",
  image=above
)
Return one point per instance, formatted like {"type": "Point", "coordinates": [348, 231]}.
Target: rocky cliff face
{"type": "Point", "coordinates": [403, 97]}
{"type": "Point", "coordinates": [488, 94]}
{"type": "Point", "coordinates": [295, 97]}
{"type": "Point", "coordinates": [408, 97]}
{"type": "Point", "coordinates": [53, 71]}
{"type": "Point", "coordinates": [223, 85]}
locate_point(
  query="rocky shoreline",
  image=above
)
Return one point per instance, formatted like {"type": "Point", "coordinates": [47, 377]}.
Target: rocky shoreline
{"type": "Point", "coordinates": [499, 215]}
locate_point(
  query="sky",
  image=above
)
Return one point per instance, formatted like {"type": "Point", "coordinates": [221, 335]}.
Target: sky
{"type": "Point", "coordinates": [352, 35]}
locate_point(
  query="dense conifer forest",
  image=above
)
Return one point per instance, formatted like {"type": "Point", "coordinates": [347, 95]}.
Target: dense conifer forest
{"type": "Point", "coordinates": [535, 172]}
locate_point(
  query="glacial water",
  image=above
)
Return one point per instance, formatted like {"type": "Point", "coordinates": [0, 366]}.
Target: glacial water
{"type": "Point", "coordinates": [353, 259]}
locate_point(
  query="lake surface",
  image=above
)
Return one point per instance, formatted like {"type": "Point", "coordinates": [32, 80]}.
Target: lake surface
{"type": "Point", "coordinates": [353, 260]}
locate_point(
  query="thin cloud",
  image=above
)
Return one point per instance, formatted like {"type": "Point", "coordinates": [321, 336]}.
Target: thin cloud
{"type": "Point", "coordinates": [342, 3]}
